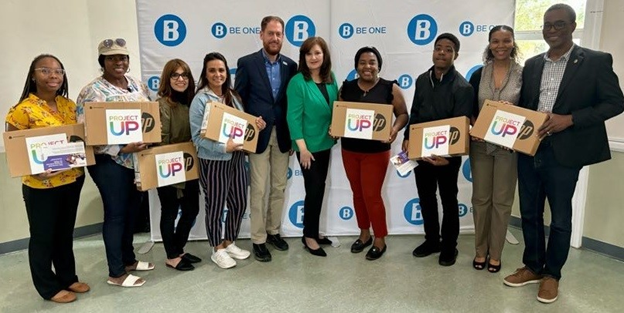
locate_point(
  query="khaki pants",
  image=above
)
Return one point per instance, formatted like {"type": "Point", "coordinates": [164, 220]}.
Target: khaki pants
{"type": "Point", "coordinates": [494, 177]}
{"type": "Point", "coordinates": [268, 170]}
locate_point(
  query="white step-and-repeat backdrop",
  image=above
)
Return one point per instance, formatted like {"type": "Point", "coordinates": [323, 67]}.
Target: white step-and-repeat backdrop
{"type": "Point", "coordinates": [403, 31]}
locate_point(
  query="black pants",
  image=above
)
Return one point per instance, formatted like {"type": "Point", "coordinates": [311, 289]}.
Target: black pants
{"type": "Point", "coordinates": [314, 184]}
{"type": "Point", "coordinates": [52, 216]}
{"type": "Point", "coordinates": [175, 236]}
{"type": "Point", "coordinates": [428, 179]}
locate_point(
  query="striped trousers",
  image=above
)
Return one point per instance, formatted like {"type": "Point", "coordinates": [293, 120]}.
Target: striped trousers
{"type": "Point", "coordinates": [224, 182]}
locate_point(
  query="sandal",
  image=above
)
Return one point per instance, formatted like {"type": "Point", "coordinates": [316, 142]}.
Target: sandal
{"type": "Point", "coordinates": [478, 265]}
{"type": "Point", "coordinates": [129, 282]}
{"type": "Point", "coordinates": [494, 268]}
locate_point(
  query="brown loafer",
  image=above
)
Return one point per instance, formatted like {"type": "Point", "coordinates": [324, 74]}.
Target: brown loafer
{"type": "Point", "coordinates": [64, 296]}
{"type": "Point", "coordinates": [79, 287]}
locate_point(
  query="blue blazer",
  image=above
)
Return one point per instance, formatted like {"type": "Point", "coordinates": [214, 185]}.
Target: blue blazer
{"type": "Point", "coordinates": [252, 84]}
{"type": "Point", "coordinates": [590, 92]}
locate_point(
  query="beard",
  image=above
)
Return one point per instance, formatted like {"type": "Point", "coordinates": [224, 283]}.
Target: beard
{"type": "Point", "coordinates": [271, 49]}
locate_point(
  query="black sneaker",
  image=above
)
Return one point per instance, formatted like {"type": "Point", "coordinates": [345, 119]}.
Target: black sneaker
{"type": "Point", "coordinates": [426, 249]}
{"type": "Point", "coordinates": [261, 253]}
{"type": "Point", "coordinates": [277, 242]}
{"type": "Point", "coordinates": [448, 258]}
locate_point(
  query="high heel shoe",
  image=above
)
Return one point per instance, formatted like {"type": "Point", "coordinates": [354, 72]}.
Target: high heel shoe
{"type": "Point", "coordinates": [317, 252]}
{"type": "Point", "coordinates": [478, 265]}
{"type": "Point", "coordinates": [494, 268]}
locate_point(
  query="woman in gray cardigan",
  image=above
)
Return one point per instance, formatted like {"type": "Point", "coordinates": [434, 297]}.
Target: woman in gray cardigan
{"type": "Point", "coordinates": [494, 171]}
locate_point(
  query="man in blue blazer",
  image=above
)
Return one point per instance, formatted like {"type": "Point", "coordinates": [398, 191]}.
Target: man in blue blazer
{"type": "Point", "coordinates": [579, 90]}
{"type": "Point", "coordinates": [261, 80]}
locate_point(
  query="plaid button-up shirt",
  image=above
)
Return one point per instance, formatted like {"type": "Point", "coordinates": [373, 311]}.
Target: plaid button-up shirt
{"type": "Point", "coordinates": [552, 75]}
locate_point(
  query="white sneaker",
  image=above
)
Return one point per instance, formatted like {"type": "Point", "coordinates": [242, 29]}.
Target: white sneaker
{"type": "Point", "coordinates": [222, 259]}
{"type": "Point", "coordinates": [237, 252]}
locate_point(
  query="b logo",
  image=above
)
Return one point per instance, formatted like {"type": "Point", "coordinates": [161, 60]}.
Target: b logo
{"type": "Point", "coordinates": [298, 29]}
{"type": "Point", "coordinates": [463, 210]}
{"type": "Point", "coordinates": [466, 170]}
{"type": "Point", "coordinates": [422, 29]}
{"type": "Point", "coordinates": [289, 174]}
{"type": "Point", "coordinates": [346, 30]}
{"type": "Point", "coordinates": [153, 83]}
{"type": "Point", "coordinates": [189, 162]}
{"type": "Point", "coordinates": [148, 122]}
{"type": "Point", "coordinates": [403, 176]}
{"type": "Point", "coordinates": [526, 130]}
{"type": "Point", "coordinates": [412, 213]}
{"type": "Point", "coordinates": [352, 75]}
{"type": "Point", "coordinates": [295, 214]}
{"type": "Point", "coordinates": [379, 123]}
{"type": "Point", "coordinates": [170, 30]}
{"type": "Point", "coordinates": [345, 213]}
{"type": "Point", "coordinates": [219, 30]}
{"type": "Point", "coordinates": [466, 28]}
{"type": "Point", "coordinates": [472, 70]}
{"type": "Point", "coordinates": [405, 81]}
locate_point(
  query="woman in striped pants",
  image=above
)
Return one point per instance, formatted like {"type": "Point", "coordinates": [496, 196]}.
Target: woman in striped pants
{"type": "Point", "coordinates": [222, 166]}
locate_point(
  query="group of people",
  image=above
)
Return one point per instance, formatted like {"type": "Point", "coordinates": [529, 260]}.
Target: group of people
{"type": "Point", "coordinates": [293, 104]}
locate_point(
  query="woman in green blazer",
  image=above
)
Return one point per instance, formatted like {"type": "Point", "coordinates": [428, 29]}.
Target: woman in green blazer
{"type": "Point", "coordinates": [310, 95]}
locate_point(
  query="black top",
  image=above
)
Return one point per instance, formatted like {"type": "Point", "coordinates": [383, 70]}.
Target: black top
{"type": "Point", "coordinates": [434, 99]}
{"type": "Point", "coordinates": [380, 93]}
{"type": "Point", "coordinates": [323, 88]}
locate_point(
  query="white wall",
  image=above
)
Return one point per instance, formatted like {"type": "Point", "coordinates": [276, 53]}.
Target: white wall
{"type": "Point", "coordinates": [68, 29]}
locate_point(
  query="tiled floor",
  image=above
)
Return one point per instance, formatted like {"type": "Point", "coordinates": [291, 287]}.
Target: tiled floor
{"type": "Point", "coordinates": [296, 281]}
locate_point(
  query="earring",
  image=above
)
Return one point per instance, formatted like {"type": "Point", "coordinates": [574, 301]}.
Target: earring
{"type": "Point", "coordinates": [128, 71]}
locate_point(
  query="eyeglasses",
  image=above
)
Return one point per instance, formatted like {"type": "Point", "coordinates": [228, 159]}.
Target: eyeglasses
{"type": "Point", "coordinates": [558, 25]}
{"type": "Point", "coordinates": [109, 42]}
{"type": "Point", "coordinates": [48, 71]}
{"type": "Point", "coordinates": [176, 76]}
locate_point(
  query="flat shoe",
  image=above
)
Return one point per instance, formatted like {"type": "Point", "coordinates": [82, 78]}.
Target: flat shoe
{"type": "Point", "coordinates": [324, 241]}
{"type": "Point", "coordinates": [64, 296]}
{"type": "Point", "coordinates": [183, 265]}
{"type": "Point", "coordinates": [191, 258]}
{"type": "Point", "coordinates": [129, 282]}
{"type": "Point", "coordinates": [79, 287]}
{"type": "Point", "coordinates": [358, 246]}
{"type": "Point", "coordinates": [374, 253]}
{"type": "Point", "coordinates": [143, 266]}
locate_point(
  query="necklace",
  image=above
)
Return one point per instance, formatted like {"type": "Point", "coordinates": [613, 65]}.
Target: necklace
{"type": "Point", "coordinates": [367, 90]}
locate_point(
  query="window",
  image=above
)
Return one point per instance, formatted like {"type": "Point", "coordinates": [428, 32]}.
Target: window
{"type": "Point", "coordinates": [529, 17]}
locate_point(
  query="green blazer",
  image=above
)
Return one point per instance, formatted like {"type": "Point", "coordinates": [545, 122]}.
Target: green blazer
{"type": "Point", "coordinates": [308, 114]}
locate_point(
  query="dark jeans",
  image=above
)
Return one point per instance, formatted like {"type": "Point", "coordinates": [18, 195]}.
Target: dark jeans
{"type": "Point", "coordinates": [428, 179]}
{"type": "Point", "coordinates": [542, 177]}
{"type": "Point", "coordinates": [175, 236]}
{"type": "Point", "coordinates": [314, 184]}
{"type": "Point", "coordinates": [52, 216]}
{"type": "Point", "coordinates": [121, 204]}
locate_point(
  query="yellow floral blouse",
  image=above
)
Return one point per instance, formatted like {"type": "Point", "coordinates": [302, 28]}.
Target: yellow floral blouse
{"type": "Point", "coordinates": [34, 112]}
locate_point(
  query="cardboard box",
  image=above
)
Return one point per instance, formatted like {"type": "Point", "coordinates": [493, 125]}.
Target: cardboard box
{"type": "Point", "coordinates": [509, 126]}
{"type": "Point", "coordinates": [166, 165]}
{"type": "Point", "coordinates": [448, 137]}
{"type": "Point", "coordinates": [28, 151]}
{"type": "Point", "coordinates": [109, 123]}
{"type": "Point", "coordinates": [223, 121]}
{"type": "Point", "coordinates": [362, 120]}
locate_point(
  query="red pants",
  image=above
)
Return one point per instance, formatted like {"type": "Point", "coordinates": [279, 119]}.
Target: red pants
{"type": "Point", "coordinates": [366, 173]}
